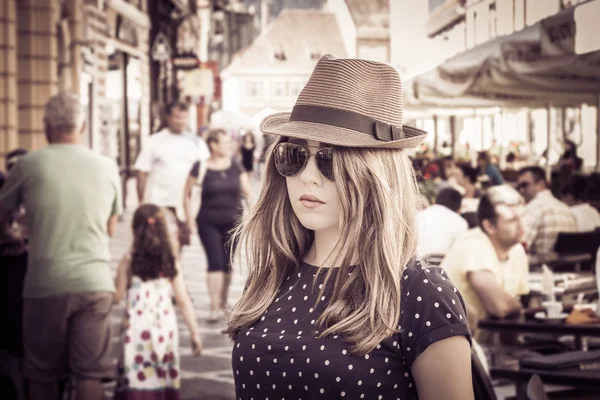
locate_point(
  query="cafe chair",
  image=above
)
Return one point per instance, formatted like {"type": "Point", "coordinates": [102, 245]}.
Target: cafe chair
{"type": "Point", "coordinates": [577, 242]}
{"type": "Point", "coordinates": [482, 383]}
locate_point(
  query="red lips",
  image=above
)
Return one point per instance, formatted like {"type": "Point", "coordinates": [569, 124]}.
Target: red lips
{"type": "Point", "coordinates": [309, 197]}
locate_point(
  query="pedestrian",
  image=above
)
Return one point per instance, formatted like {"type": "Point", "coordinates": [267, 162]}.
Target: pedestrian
{"type": "Point", "coordinates": [223, 184]}
{"type": "Point", "coordinates": [149, 361]}
{"type": "Point", "coordinates": [163, 165]}
{"type": "Point", "coordinates": [336, 305]}
{"type": "Point", "coordinates": [247, 151]}
{"type": "Point", "coordinates": [72, 197]}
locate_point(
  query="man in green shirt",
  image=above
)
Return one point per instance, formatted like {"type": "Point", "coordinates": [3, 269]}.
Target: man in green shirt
{"type": "Point", "coordinates": [72, 198]}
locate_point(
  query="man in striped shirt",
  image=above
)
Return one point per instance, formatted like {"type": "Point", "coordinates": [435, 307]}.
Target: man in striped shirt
{"type": "Point", "coordinates": [544, 217]}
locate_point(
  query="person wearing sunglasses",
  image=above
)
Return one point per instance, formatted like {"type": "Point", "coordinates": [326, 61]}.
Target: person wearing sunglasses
{"type": "Point", "coordinates": [336, 305]}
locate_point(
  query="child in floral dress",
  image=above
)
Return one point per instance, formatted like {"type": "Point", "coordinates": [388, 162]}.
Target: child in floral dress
{"type": "Point", "coordinates": [148, 366]}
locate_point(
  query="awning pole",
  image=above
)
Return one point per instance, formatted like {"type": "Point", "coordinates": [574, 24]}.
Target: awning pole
{"type": "Point", "coordinates": [435, 135]}
{"type": "Point", "coordinates": [452, 124]}
{"type": "Point", "coordinates": [501, 139]}
{"type": "Point", "coordinates": [548, 139]}
{"type": "Point", "coordinates": [598, 132]}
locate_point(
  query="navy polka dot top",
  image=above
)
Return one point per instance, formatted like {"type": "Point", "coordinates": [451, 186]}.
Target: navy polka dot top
{"type": "Point", "coordinates": [279, 356]}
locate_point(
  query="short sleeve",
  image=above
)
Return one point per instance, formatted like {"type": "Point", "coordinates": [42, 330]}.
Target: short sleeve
{"type": "Point", "coordinates": [10, 195]}
{"type": "Point", "coordinates": [523, 271]}
{"type": "Point", "coordinates": [203, 150]}
{"type": "Point", "coordinates": [469, 256]}
{"type": "Point", "coordinates": [195, 171]}
{"type": "Point", "coordinates": [144, 160]}
{"type": "Point", "coordinates": [117, 207]}
{"type": "Point", "coordinates": [432, 310]}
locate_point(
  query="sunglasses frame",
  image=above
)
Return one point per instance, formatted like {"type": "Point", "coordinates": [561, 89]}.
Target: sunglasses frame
{"type": "Point", "coordinates": [308, 156]}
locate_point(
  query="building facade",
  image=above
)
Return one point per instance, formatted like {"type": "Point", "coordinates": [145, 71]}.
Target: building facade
{"type": "Point", "coordinates": [365, 27]}
{"type": "Point", "coordinates": [97, 49]}
{"type": "Point", "coordinates": [271, 73]}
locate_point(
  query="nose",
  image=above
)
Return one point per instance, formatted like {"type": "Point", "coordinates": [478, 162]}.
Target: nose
{"type": "Point", "coordinates": [310, 173]}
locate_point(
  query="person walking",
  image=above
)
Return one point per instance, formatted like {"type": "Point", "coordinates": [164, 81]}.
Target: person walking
{"type": "Point", "coordinates": [163, 165]}
{"type": "Point", "coordinates": [247, 151]}
{"type": "Point", "coordinates": [223, 183]}
{"type": "Point", "coordinates": [72, 197]}
{"type": "Point", "coordinates": [149, 362]}
{"type": "Point", "coordinates": [336, 304]}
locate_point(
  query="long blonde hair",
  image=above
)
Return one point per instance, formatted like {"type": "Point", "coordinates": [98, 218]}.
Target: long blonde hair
{"type": "Point", "coordinates": [378, 195]}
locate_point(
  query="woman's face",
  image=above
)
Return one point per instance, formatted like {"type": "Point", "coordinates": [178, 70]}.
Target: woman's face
{"type": "Point", "coordinates": [223, 147]}
{"type": "Point", "coordinates": [314, 198]}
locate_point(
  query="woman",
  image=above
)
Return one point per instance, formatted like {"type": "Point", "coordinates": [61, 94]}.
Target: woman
{"type": "Point", "coordinates": [247, 150]}
{"type": "Point", "coordinates": [336, 305]}
{"type": "Point", "coordinates": [223, 184]}
{"type": "Point", "coordinates": [569, 161]}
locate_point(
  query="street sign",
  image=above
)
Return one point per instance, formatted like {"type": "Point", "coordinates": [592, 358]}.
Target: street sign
{"type": "Point", "coordinates": [161, 50]}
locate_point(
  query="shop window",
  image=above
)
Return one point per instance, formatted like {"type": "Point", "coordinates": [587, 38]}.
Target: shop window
{"type": "Point", "coordinates": [278, 89]}
{"type": "Point", "coordinates": [254, 89]}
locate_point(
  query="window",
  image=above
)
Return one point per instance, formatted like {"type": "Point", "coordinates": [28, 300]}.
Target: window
{"type": "Point", "coordinates": [254, 89]}
{"type": "Point", "coordinates": [278, 89]}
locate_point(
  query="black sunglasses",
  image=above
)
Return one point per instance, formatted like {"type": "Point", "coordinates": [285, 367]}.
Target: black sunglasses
{"type": "Point", "coordinates": [522, 185]}
{"type": "Point", "coordinates": [291, 158]}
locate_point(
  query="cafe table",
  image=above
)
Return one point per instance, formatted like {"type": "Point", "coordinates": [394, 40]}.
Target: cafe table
{"type": "Point", "coordinates": [526, 324]}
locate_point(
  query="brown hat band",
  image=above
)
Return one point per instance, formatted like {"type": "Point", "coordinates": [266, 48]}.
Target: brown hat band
{"type": "Point", "coordinates": [346, 119]}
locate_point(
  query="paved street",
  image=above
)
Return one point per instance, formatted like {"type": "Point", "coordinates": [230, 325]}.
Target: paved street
{"type": "Point", "coordinates": [209, 376]}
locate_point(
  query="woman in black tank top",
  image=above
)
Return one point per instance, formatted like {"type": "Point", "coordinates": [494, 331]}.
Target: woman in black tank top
{"type": "Point", "coordinates": [224, 183]}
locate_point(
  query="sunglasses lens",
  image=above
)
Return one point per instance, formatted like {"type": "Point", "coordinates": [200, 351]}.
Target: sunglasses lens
{"type": "Point", "coordinates": [324, 160]}
{"type": "Point", "coordinates": [289, 158]}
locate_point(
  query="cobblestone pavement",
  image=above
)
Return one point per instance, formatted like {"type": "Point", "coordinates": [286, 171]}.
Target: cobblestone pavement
{"type": "Point", "coordinates": [208, 376]}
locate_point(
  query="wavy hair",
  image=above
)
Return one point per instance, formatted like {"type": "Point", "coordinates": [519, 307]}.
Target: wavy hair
{"type": "Point", "coordinates": [378, 195]}
{"type": "Point", "coordinates": [153, 253]}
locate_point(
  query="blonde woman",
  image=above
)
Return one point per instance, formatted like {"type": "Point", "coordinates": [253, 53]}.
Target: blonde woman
{"type": "Point", "coordinates": [336, 306]}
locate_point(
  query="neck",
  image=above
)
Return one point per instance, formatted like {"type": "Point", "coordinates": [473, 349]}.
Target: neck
{"type": "Point", "coordinates": [469, 190]}
{"type": "Point", "coordinates": [321, 250]}
{"type": "Point", "coordinates": [65, 139]}
{"type": "Point", "coordinates": [501, 250]}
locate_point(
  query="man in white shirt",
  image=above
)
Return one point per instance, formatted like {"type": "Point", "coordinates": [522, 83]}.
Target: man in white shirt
{"type": "Point", "coordinates": [488, 265]}
{"type": "Point", "coordinates": [164, 164]}
{"type": "Point", "coordinates": [573, 194]}
{"type": "Point", "coordinates": [544, 217]}
{"type": "Point", "coordinates": [439, 224]}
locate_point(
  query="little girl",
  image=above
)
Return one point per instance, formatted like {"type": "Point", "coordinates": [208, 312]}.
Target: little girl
{"type": "Point", "coordinates": [148, 365]}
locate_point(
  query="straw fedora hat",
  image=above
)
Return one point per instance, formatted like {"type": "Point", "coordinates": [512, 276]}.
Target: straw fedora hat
{"type": "Point", "coordinates": [351, 103]}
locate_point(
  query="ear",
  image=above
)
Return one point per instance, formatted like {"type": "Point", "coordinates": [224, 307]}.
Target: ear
{"type": "Point", "coordinates": [488, 227]}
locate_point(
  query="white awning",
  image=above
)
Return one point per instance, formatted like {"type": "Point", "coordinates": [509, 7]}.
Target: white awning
{"type": "Point", "coordinates": [535, 67]}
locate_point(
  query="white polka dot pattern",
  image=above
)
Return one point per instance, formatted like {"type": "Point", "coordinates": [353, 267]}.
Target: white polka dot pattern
{"type": "Point", "coordinates": [270, 363]}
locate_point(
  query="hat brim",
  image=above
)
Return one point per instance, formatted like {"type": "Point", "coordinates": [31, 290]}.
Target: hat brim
{"type": "Point", "coordinates": [280, 124]}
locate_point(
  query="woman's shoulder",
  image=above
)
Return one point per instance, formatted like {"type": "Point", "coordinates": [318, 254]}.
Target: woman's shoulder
{"type": "Point", "coordinates": [419, 276]}
{"type": "Point", "coordinates": [432, 309]}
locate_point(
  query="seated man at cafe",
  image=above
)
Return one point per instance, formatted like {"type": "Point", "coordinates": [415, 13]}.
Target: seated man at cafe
{"type": "Point", "coordinates": [488, 264]}
{"type": "Point", "coordinates": [440, 224]}
{"type": "Point", "coordinates": [544, 216]}
{"type": "Point", "coordinates": [574, 194]}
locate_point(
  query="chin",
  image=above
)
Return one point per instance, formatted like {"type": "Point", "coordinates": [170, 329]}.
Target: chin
{"type": "Point", "coordinates": [316, 221]}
